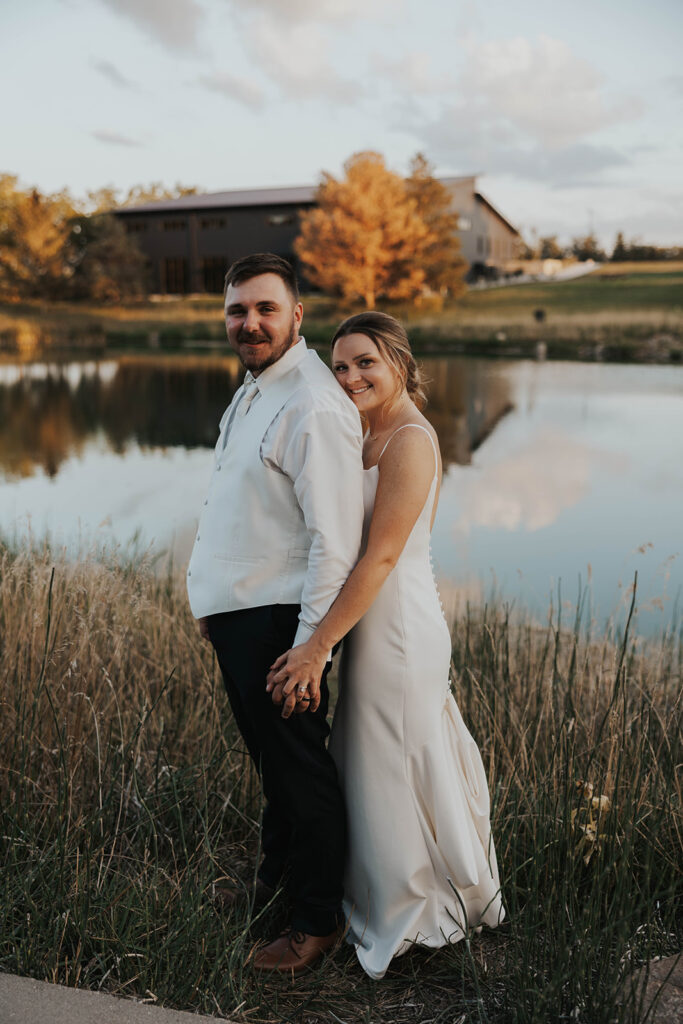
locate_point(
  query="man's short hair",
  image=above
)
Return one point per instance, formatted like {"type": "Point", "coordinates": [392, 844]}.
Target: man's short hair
{"type": "Point", "coordinates": [259, 263]}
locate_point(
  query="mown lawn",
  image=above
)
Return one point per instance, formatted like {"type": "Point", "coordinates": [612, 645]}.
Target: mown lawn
{"type": "Point", "coordinates": [590, 294]}
{"type": "Point", "coordinates": [619, 308]}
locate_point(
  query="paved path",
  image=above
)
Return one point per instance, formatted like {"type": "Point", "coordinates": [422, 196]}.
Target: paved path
{"type": "Point", "coordinates": [25, 1001]}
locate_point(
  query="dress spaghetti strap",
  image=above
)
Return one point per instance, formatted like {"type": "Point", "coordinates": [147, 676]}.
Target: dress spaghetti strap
{"type": "Point", "coordinates": [419, 427]}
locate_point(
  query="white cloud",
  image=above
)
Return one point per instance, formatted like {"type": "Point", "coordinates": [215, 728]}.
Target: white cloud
{"type": "Point", "coordinates": [110, 71]}
{"type": "Point", "coordinates": [541, 88]}
{"type": "Point", "coordinates": [241, 89]}
{"type": "Point", "coordinates": [172, 23]}
{"type": "Point", "coordinates": [528, 490]}
{"type": "Point", "coordinates": [456, 138]}
{"type": "Point", "coordinates": [114, 139]}
{"type": "Point", "coordinates": [414, 72]}
{"type": "Point", "coordinates": [298, 58]}
{"type": "Point", "coordinates": [527, 109]}
{"type": "Point", "coordinates": [293, 42]}
{"type": "Point", "coordinates": [297, 11]}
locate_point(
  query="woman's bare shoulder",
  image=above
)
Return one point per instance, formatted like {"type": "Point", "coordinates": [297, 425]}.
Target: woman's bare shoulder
{"type": "Point", "coordinates": [406, 442]}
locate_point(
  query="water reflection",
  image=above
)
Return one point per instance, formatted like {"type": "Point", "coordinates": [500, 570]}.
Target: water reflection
{"type": "Point", "coordinates": [552, 470]}
{"type": "Point", "coordinates": [48, 411]}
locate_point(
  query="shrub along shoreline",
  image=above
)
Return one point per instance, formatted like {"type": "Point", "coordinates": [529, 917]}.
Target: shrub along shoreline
{"type": "Point", "coordinates": [635, 315]}
{"type": "Point", "coordinates": [126, 797]}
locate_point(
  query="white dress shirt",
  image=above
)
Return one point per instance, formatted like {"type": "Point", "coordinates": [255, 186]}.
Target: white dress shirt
{"type": "Point", "coordinates": [313, 439]}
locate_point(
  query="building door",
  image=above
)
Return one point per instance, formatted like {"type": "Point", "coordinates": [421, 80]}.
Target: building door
{"type": "Point", "coordinates": [214, 269]}
{"type": "Point", "coordinates": [174, 276]}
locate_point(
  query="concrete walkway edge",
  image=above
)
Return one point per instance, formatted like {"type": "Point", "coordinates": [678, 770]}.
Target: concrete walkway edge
{"type": "Point", "coordinates": [27, 1001]}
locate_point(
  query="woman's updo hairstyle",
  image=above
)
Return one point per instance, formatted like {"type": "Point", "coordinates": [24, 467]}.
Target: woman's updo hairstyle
{"type": "Point", "coordinates": [392, 342]}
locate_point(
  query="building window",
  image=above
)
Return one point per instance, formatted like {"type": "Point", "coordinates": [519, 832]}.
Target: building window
{"type": "Point", "coordinates": [175, 225]}
{"type": "Point", "coordinates": [174, 276]}
{"type": "Point", "coordinates": [480, 245]}
{"type": "Point", "coordinates": [211, 223]}
{"type": "Point", "coordinates": [464, 224]}
{"type": "Point", "coordinates": [136, 226]}
{"type": "Point", "coordinates": [213, 273]}
{"type": "Point", "coordinates": [277, 220]}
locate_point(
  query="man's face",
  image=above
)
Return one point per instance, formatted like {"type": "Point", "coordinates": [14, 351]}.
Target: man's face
{"type": "Point", "coordinates": [262, 320]}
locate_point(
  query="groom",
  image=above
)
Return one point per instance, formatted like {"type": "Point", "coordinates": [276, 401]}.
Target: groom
{"type": "Point", "coordinates": [279, 532]}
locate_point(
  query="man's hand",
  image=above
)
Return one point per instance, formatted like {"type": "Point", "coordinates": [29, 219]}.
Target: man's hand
{"type": "Point", "coordinates": [204, 628]}
{"type": "Point", "coordinates": [295, 676]}
{"type": "Point", "coordinates": [303, 700]}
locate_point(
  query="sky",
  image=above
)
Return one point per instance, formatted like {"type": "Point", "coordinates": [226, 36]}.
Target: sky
{"type": "Point", "coordinates": [570, 114]}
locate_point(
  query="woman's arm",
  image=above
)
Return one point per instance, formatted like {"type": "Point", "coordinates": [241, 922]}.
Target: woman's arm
{"type": "Point", "coordinates": [405, 476]}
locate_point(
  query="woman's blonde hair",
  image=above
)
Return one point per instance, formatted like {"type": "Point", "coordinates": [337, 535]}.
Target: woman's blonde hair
{"type": "Point", "coordinates": [392, 342]}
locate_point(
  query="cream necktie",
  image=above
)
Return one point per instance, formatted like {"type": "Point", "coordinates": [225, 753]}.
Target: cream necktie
{"type": "Point", "coordinates": [250, 393]}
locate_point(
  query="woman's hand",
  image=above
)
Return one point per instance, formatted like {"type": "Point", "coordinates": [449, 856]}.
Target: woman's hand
{"type": "Point", "coordinates": [296, 675]}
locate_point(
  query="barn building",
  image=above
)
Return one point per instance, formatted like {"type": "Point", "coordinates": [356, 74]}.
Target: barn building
{"type": "Point", "coordinates": [191, 241]}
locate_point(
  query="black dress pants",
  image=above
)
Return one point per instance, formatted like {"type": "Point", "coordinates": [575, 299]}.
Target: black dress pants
{"type": "Point", "coordinates": [304, 822]}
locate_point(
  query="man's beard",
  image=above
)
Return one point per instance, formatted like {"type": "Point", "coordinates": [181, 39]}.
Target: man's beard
{"type": "Point", "coordinates": [260, 360]}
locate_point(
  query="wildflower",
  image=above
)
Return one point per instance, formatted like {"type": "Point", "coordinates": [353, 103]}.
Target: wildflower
{"type": "Point", "coordinates": [587, 819]}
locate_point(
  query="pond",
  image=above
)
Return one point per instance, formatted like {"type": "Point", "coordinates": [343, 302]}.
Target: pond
{"type": "Point", "coordinates": [557, 475]}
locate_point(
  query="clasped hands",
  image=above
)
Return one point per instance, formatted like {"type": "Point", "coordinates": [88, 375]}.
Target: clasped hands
{"type": "Point", "coordinates": [294, 679]}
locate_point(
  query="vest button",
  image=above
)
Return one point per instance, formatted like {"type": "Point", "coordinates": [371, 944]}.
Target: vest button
{"type": "Point", "coordinates": [198, 537]}
{"type": "Point", "coordinates": [206, 501]}
{"type": "Point", "coordinates": [189, 573]}
{"type": "Point", "coordinates": [218, 468]}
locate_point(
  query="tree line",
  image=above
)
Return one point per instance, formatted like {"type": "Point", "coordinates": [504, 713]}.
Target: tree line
{"type": "Point", "coordinates": [53, 246]}
{"type": "Point", "coordinates": [587, 247]}
{"type": "Point", "coordinates": [373, 235]}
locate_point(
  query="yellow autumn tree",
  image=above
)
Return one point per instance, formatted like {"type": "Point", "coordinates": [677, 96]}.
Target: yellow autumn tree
{"type": "Point", "coordinates": [442, 258]}
{"type": "Point", "coordinates": [365, 239]}
{"type": "Point", "coordinates": [34, 229]}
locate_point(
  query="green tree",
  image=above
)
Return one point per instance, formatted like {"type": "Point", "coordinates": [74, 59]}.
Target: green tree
{"type": "Point", "coordinates": [620, 251]}
{"type": "Point", "coordinates": [586, 247]}
{"type": "Point", "coordinates": [442, 259]}
{"type": "Point", "coordinates": [549, 248]}
{"type": "Point", "coordinates": [106, 263]}
{"type": "Point", "coordinates": [365, 239]}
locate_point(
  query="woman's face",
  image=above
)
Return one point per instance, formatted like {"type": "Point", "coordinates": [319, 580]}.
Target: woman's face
{"type": "Point", "coordinates": [362, 371]}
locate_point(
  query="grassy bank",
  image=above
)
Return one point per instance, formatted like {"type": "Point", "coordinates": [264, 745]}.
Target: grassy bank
{"type": "Point", "coordinates": [126, 796]}
{"type": "Point", "coordinates": [624, 311]}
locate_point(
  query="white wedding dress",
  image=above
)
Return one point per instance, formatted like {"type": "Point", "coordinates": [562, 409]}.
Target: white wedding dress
{"type": "Point", "coordinates": [421, 864]}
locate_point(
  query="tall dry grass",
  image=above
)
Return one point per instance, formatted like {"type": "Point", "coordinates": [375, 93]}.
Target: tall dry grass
{"type": "Point", "coordinates": [126, 797]}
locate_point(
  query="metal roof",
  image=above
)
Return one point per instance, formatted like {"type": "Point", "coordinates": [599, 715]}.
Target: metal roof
{"type": "Point", "coordinates": [298, 195]}
{"type": "Point", "coordinates": [295, 195]}
{"type": "Point", "coordinates": [240, 197]}
{"type": "Point", "coordinates": [497, 213]}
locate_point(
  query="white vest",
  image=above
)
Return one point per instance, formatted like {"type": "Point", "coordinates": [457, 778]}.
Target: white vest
{"type": "Point", "coordinates": [252, 544]}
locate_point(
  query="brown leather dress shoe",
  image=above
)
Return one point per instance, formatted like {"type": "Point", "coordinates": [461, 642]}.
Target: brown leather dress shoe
{"type": "Point", "coordinates": [293, 951]}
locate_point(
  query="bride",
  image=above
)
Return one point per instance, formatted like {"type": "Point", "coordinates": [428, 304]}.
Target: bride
{"type": "Point", "coordinates": [421, 866]}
